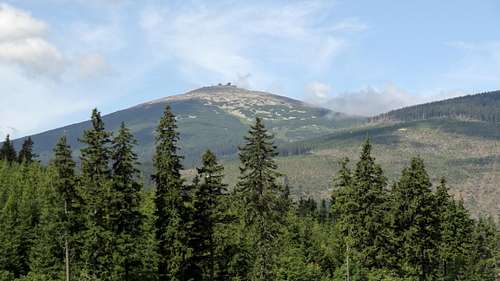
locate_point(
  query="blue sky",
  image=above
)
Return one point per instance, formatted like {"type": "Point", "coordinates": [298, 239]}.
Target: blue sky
{"type": "Point", "coordinates": [60, 58]}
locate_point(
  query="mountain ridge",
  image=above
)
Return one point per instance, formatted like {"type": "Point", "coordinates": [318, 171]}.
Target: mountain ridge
{"type": "Point", "coordinates": [213, 117]}
{"type": "Point", "coordinates": [483, 106]}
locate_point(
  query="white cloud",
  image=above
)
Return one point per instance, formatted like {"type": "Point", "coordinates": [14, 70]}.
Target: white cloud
{"type": "Point", "coordinates": [23, 43]}
{"type": "Point", "coordinates": [36, 55]}
{"type": "Point", "coordinates": [317, 92]}
{"type": "Point", "coordinates": [16, 24]}
{"type": "Point", "coordinates": [48, 87]}
{"type": "Point", "coordinates": [371, 101]}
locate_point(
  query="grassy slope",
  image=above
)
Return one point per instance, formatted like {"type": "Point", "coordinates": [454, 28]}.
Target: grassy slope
{"type": "Point", "coordinates": [467, 154]}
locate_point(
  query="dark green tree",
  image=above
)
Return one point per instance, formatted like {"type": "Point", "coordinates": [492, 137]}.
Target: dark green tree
{"type": "Point", "coordinates": [342, 188]}
{"type": "Point", "coordinates": [96, 182]}
{"type": "Point", "coordinates": [169, 224]}
{"type": "Point", "coordinates": [125, 218]}
{"type": "Point", "coordinates": [66, 187]}
{"type": "Point", "coordinates": [344, 213]}
{"type": "Point", "coordinates": [359, 206]}
{"type": "Point", "coordinates": [482, 263]}
{"type": "Point", "coordinates": [369, 210]}
{"type": "Point", "coordinates": [455, 230]}
{"type": "Point", "coordinates": [95, 156]}
{"type": "Point", "coordinates": [416, 222]}
{"type": "Point", "coordinates": [26, 154]}
{"type": "Point", "coordinates": [207, 214]}
{"type": "Point", "coordinates": [260, 194]}
{"type": "Point", "coordinates": [7, 151]}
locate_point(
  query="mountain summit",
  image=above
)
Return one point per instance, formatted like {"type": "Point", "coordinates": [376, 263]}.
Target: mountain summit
{"type": "Point", "coordinates": [214, 117]}
{"type": "Point", "coordinates": [243, 103]}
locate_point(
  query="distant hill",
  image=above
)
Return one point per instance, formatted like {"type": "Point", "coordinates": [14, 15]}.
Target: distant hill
{"type": "Point", "coordinates": [215, 118]}
{"type": "Point", "coordinates": [480, 107]}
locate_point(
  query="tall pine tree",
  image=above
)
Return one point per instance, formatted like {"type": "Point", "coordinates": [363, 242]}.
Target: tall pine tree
{"type": "Point", "coordinates": [261, 195]}
{"type": "Point", "coordinates": [95, 166]}
{"type": "Point", "coordinates": [169, 200]}
{"type": "Point", "coordinates": [125, 218]}
{"type": "Point", "coordinates": [416, 223]}
{"type": "Point", "coordinates": [359, 206]}
{"type": "Point", "coordinates": [455, 231]}
{"type": "Point", "coordinates": [207, 215]}
{"type": "Point", "coordinates": [66, 188]}
{"type": "Point", "coordinates": [342, 188]}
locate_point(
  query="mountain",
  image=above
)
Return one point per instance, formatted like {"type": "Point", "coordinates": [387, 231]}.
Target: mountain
{"type": "Point", "coordinates": [457, 138]}
{"type": "Point", "coordinates": [215, 117]}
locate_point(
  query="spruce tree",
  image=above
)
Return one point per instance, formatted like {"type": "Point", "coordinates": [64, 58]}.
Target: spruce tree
{"type": "Point", "coordinates": [455, 230]}
{"type": "Point", "coordinates": [482, 263]}
{"type": "Point", "coordinates": [96, 155]}
{"type": "Point", "coordinates": [7, 151]}
{"type": "Point", "coordinates": [95, 166]}
{"type": "Point", "coordinates": [207, 215]}
{"type": "Point", "coordinates": [342, 188]}
{"type": "Point", "coordinates": [360, 208]}
{"type": "Point", "coordinates": [66, 188]}
{"type": "Point", "coordinates": [370, 208]}
{"type": "Point", "coordinates": [455, 244]}
{"type": "Point", "coordinates": [343, 215]}
{"type": "Point", "coordinates": [125, 218]}
{"type": "Point", "coordinates": [26, 154]}
{"type": "Point", "coordinates": [169, 205]}
{"type": "Point", "coordinates": [260, 195]}
{"type": "Point", "coordinates": [416, 223]}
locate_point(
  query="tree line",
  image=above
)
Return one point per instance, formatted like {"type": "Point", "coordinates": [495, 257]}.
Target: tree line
{"type": "Point", "coordinates": [479, 107]}
{"type": "Point", "coordinates": [98, 222]}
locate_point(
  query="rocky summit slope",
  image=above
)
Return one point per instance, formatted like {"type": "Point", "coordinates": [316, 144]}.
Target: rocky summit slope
{"type": "Point", "coordinates": [215, 117]}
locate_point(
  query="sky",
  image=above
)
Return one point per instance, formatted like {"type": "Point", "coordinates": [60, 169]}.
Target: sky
{"type": "Point", "coordinates": [61, 58]}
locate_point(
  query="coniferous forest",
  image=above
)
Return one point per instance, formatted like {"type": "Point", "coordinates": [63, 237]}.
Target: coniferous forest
{"type": "Point", "coordinates": [93, 218]}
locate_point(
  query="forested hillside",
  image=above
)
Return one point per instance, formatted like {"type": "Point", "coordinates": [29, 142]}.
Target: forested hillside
{"type": "Point", "coordinates": [480, 107]}
{"type": "Point", "coordinates": [101, 223]}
